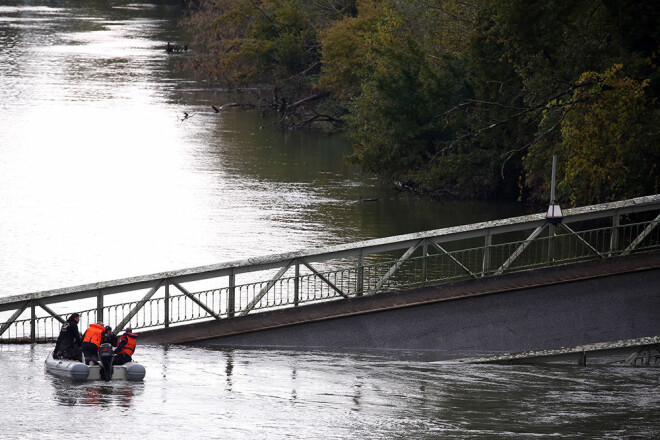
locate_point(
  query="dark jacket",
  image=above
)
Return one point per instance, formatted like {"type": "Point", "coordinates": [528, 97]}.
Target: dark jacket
{"type": "Point", "coordinates": [69, 335]}
{"type": "Point", "coordinates": [109, 338]}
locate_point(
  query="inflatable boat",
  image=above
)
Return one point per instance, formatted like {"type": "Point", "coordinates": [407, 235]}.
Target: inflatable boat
{"type": "Point", "coordinates": [79, 372]}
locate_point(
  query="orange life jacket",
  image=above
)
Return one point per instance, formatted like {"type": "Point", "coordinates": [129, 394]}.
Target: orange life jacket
{"type": "Point", "coordinates": [93, 334]}
{"type": "Point", "coordinates": [131, 341]}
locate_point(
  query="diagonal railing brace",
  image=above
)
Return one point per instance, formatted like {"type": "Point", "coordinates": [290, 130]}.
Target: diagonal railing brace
{"type": "Point", "coordinates": [642, 236]}
{"type": "Point", "coordinates": [397, 265]}
{"type": "Point", "coordinates": [585, 242]}
{"type": "Point", "coordinates": [13, 317]}
{"type": "Point", "coordinates": [50, 312]}
{"type": "Point", "coordinates": [520, 249]}
{"type": "Point", "coordinates": [324, 279]}
{"type": "Point", "coordinates": [268, 286]}
{"type": "Point", "coordinates": [195, 300]}
{"type": "Point", "coordinates": [138, 306]}
{"type": "Point", "coordinates": [454, 259]}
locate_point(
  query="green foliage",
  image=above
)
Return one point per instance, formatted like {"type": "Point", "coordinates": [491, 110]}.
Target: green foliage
{"type": "Point", "coordinates": [345, 47]}
{"type": "Point", "coordinates": [469, 98]}
{"type": "Point", "coordinates": [607, 157]}
{"type": "Point", "coordinates": [259, 42]}
{"type": "Point", "coordinates": [601, 126]}
{"type": "Point", "coordinates": [394, 117]}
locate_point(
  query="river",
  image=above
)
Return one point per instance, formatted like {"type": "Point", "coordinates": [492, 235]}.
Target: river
{"type": "Point", "coordinates": [194, 392]}
{"type": "Point", "coordinates": [102, 176]}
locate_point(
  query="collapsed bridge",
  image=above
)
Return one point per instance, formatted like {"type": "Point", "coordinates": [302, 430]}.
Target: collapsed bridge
{"type": "Point", "coordinates": [506, 285]}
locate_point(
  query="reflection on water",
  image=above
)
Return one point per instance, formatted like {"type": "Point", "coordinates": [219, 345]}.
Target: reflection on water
{"type": "Point", "coordinates": [101, 179]}
{"type": "Point", "coordinates": [230, 368]}
{"type": "Point", "coordinates": [118, 394]}
{"type": "Point", "coordinates": [277, 394]}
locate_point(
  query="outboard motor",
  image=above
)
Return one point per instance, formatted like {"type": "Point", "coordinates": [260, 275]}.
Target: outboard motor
{"type": "Point", "coordinates": [105, 355]}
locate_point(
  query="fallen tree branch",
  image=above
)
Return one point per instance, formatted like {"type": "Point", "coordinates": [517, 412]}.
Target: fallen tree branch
{"type": "Point", "coordinates": [306, 100]}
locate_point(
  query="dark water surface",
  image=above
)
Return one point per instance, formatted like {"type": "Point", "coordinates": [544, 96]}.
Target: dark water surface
{"type": "Point", "coordinates": [100, 179]}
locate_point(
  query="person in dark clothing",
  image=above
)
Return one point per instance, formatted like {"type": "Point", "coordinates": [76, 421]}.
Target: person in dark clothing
{"type": "Point", "coordinates": [69, 341]}
{"type": "Point", "coordinates": [125, 348]}
{"type": "Point", "coordinates": [109, 337]}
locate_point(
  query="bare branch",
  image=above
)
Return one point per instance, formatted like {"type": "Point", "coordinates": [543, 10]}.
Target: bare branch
{"type": "Point", "coordinates": [522, 112]}
{"type": "Point", "coordinates": [307, 100]}
{"type": "Point", "coordinates": [511, 153]}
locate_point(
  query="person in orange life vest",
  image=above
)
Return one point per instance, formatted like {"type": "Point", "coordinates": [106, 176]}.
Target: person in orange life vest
{"type": "Point", "coordinates": [92, 341]}
{"type": "Point", "coordinates": [125, 347]}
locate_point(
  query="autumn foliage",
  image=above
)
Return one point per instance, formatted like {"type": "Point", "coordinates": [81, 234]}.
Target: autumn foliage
{"type": "Point", "coordinates": [461, 98]}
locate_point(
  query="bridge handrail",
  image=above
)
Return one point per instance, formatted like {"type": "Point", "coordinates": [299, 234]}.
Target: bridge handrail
{"type": "Point", "coordinates": [639, 204]}
{"type": "Point", "coordinates": [359, 277]}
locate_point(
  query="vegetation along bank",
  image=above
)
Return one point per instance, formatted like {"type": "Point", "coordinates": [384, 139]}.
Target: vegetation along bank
{"type": "Point", "coordinates": [460, 98]}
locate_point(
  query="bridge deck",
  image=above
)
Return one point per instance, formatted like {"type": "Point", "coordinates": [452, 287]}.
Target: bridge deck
{"type": "Point", "coordinates": [259, 322]}
{"type": "Point", "coordinates": [640, 351]}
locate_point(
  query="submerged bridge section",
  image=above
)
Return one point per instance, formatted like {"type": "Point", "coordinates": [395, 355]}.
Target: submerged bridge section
{"type": "Point", "coordinates": [503, 285]}
{"type": "Point", "coordinates": [568, 305]}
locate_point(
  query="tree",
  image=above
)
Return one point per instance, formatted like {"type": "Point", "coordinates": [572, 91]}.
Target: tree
{"type": "Point", "coordinates": [269, 44]}
{"type": "Point", "coordinates": [463, 97]}
{"type": "Point", "coordinates": [345, 48]}
{"type": "Point", "coordinates": [605, 141]}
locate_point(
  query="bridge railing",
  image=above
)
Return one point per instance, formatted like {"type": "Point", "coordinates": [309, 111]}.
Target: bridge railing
{"type": "Point", "coordinates": [339, 272]}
